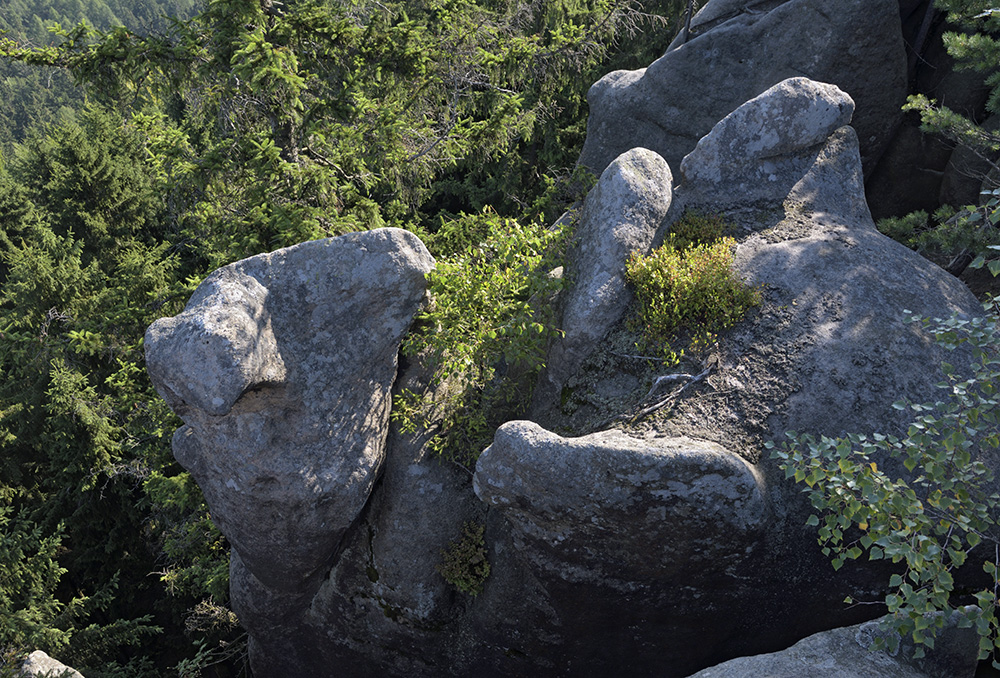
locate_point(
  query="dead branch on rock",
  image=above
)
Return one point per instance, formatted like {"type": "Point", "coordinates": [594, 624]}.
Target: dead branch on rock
{"type": "Point", "coordinates": [672, 397]}
{"type": "Point", "coordinates": [668, 399]}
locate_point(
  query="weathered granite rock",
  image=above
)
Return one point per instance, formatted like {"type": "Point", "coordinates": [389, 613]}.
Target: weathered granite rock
{"type": "Point", "coordinates": [738, 49]}
{"type": "Point", "coordinates": [385, 591]}
{"type": "Point", "coordinates": [280, 367]}
{"type": "Point", "coordinates": [844, 653]}
{"type": "Point", "coordinates": [763, 148]}
{"type": "Point", "coordinates": [40, 665]}
{"type": "Point", "coordinates": [621, 215]}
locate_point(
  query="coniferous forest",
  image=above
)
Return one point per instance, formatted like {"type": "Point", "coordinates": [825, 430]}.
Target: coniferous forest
{"type": "Point", "coordinates": [143, 144]}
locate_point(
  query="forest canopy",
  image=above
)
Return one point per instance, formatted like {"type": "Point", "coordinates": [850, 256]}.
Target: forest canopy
{"type": "Point", "coordinates": [147, 143]}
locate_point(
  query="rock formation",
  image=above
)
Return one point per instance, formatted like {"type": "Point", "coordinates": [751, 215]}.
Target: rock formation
{"type": "Point", "coordinates": [845, 653]}
{"type": "Point", "coordinates": [40, 665]}
{"type": "Point", "coordinates": [280, 367]}
{"type": "Point", "coordinates": [621, 215]}
{"type": "Point", "coordinates": [620, 545]}
{"type": "Point", "coordinates": [738, 49]}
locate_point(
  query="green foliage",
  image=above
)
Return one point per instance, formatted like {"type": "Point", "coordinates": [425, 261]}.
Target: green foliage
{"type": "Point", "coordinates": [30, 96]}
{"type": "Point", "coordinates": [697, 228]}
{"type": "Point", "coordinates": [246, 127]}
{"type": "Point", "coordinates": [687, 286]}
{"type": "Point", "coordinates": [486, 331]}
{"type": "Point", "coordinates": [949, 237]}
{"type": "Point", "coordinates": [963, 235]}
{"type": "Point", "coordinates": [32, 615]}
{"type": "Point", "coordinates": [954, 239]}
{"type": "Point", "coordinates": [976, 47]}
{"type": "Point", "coordinates": [935, 517]}
{"type": "Point", "coordinates": [320, 118]}
{"type": "Point", "coordinates": [464, 563]}
{"type": "Point", "coordinates": [83, 272]}
{"type": "Point", "coordinates": [220, 646]}
{"type": "Point", "coordinates": [910, 230]}
{"type": "Point", "coordinates": [195, 555]}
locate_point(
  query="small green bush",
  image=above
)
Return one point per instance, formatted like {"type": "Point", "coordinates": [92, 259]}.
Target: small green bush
{"type": "Point", "coordinates": [485, 333]}
{"type": "Point", "coordinates": [464, 564]}
{"type": "Point", "coordinates": [688, 287]}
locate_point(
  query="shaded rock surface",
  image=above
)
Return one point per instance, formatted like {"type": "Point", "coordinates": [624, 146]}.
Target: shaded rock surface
{"type": "Point", "coordinates": [844, 653]}
{"type": "Point", "coordinates": [740, 48]}
{"type": "Point", "coordinates": [578, 506]}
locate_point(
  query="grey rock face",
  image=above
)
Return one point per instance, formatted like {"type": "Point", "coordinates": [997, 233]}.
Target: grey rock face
{"type": "Point", "coordinates": [228, 343]}
{"type": "Point", "coordinates": [281, 367]}
{"type": "Point", "coordinates": [760, 150]}
{"type": "Point", "coordinates": [579, 506]}
{"type": "Point", "coordinates": [740, 48]}
{"type": "Point", "coordinates": [40, 665]}
{"type": "Point", "coordinates": [621, 215]}
{"type": "Point", "coordinates": [844, 653]}
{"type": "Point", "coordinates": [385, 591]}
{"type": "Point", "coordinates": [827, 352]}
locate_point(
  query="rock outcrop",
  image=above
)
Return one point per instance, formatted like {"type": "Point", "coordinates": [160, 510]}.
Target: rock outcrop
{"type": "Point", "coordinates": [827, 352]}
{"type": "Point", "coordinates": [763, 148]}
{"type": "Point", "coordinates": [620, 545]}
{"type": "Point", "coordinates": [40, 665]}
{"type": "Point", "coordinates": [280, 367]}
{"type": "Point", "coordinates": [738, 49]}
{"type": "Point", "coordinates": [845, 653]}
{"type": "Point", "coordinates": [621, 215]}
{"type": "Point", "coordinates": [578, 506]}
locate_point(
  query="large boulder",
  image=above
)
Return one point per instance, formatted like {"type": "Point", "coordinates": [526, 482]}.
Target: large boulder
{"type": "Point", "coordinates": [281, 367]}
{"type": "Point", "coordinates": [613, 546]}
{"type": "Point", "coordinates": [740, 48]}
{"type": "Point", "coordinates": [40, 665]}
{"type": "Point", "coordinates": [383, 607]}
{"type": "Point", "coordinates": [578, 507]}
{"type": "Point", "coordinates": [763, 148]}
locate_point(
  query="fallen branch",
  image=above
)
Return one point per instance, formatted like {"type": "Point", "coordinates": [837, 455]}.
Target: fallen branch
{"type": "Point", "coordinates": [636, 357]}
{"type": "Point", "coordinates": [664, 378]}
{"type": "Point", "coordinates": [675, 395]}
{"type": "Point", "coordinates": [666, 400]}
